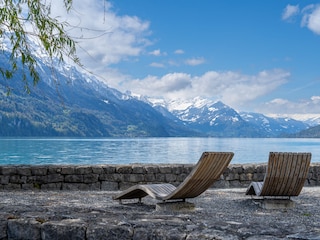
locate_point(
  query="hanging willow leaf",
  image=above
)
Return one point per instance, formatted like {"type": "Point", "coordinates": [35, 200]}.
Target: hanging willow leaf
{"type": "Point", "coordinates": [15, 15]}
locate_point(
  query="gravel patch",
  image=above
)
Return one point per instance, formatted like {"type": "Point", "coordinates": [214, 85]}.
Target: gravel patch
{"type": "Point", "coordinates": [218, 214]}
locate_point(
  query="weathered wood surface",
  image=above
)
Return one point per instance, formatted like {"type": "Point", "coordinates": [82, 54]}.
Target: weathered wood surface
{"type": "Point", "coordinates": [285, 176]}
{"type": "Point", "coordinates": [208, 170]}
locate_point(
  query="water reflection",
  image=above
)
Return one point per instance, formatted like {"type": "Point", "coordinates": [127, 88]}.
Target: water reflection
{"type": "Point", "coordinates": [144, 150]}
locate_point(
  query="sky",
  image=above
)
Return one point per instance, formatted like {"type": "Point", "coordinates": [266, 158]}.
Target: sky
{"type": "Point", "coordinates": [255, 56]}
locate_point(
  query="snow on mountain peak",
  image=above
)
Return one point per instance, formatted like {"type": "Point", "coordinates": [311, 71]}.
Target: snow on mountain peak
{"type": "Point", "coordinates": [183, 104]}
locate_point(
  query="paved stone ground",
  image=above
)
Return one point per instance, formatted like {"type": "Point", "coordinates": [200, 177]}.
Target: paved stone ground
{"type": "Point", "coordinates": [218, 214]}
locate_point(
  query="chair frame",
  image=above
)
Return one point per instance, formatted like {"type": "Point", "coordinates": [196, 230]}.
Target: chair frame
{"type": "Point", "coordinates": [208, 170]}
{"type": "Point", "coordinates": [285, 175]}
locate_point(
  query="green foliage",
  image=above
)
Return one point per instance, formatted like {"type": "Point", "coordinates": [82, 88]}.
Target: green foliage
{"type": "Point", "coordinates": [21, 20]}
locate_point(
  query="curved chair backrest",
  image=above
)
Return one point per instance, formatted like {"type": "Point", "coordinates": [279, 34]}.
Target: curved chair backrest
{"type": "Point", "coordinates": [286, 174]}
{"type": "Point", "coordinates": [208, 170]}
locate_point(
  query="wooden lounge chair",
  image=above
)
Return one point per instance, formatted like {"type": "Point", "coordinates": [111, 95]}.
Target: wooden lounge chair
{"type": "Point", "coordinates": [208, 169]}
{"type": "Point", "coordinates": [285, 176]}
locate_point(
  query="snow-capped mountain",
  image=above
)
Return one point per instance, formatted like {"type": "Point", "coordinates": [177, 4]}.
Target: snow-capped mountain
{"type": "Point", "coordinates": [218, 119]}
{"type": "Point", "coordinates": [274, 126]}
{"type": "Point", "coordinates": [68, 102]}
{"type": "Point", "coordinates": [312, 120]}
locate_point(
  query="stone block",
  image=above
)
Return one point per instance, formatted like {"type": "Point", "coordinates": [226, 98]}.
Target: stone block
{"type": "Point", "coordinates": [136, 169]}
{"type": "Point", "coordinates": [55, 178]}
{"type": "Point", "coordinates": [258, 177]}
{"type": "Point", "coordinates": [237, 169]}
{"type": "Point", "coordinates": [165, 169]}
{"type": "Point", "coordinates": [27, 186]}
{"type": "Point", "coordinates": [187, 168]}
{"type": "Point", "coordinates": [312, 183]}
{"type": "Point", "coordinates": [124, 169]}
{"type": "Point", "coordinates": [261, 168]}
{"type": "Point", "coordinates": [170, 177]}
{"type": "Point", "coordinates": [109, 231]}
{"type": "Point", "coordinates": [109, 186]}
{"type": "Point", "coordinates": [109, 169]}
{"type": "Point", "coordinates": [160, 177]}
{"type": "Point", "coordinates": [228, 170]}
{"type": "Point", "coordinates": [275, 203]}
{"type": "Point", "coordinates": [51, 186]}
{"type": "Point", "coordinates": [134, 178]}
{"type": "Point", "coordinates": [97, 170]}
{"type": "Point", "coordinates": [75, 187]}
{"type": "Point", "coordinates": [94, 186]}
{"type": "Point", "coordinates": [39, 170]}
{"type": "Point", "coordinates": [90, 178]}
{"type": "Point", "coordinates": [117, 177]}
{"type": "Point", "coordinates": [67, 170]}
{"type": "Point", "coordinates": [246, 177]}
{"type": "Point", "coordinates": [24, 229]}
{"type": "Point", "coordinates": [73, 178]}
{"type": "Point", "coordinates": [181, 177]}
{"type": "Point", "coordinates": [177, 170]}
{"type": "Point", "coordinates": [65, 229]}
{"type": "Point", "coordinates": [152, 169]}
{"type": "Point", "coordinates": [106, 177]}
{"type": "Point", "coordinates": [24, 171]}
{"type": "Point", "coordinates": [250, 168]}
{"type": "Point", "coordinates": [232, 177]}
{"type": "Point", "coordinates": [12, 186]}
{"type": "Point", "coordinates": [31, 179]}
{"type": "Point", "coordinates": [149, 177]}
{"type": "Point", "coordinates": [83, 170]}
{"type": "Point", "coordinates": [14, 179]}
{"type": "Point", "coordinates": [54, 169]}
{"type": "Point", "coordinates": [41, 179]}
{"type": "Point", "coordinates": [8, 170]}
{"type": "Point", "coordinates": [4, 179]}
{"type": "Point", "coordinates": [3, 229]}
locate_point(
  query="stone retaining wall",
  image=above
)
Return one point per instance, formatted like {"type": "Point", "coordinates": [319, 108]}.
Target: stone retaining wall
{"type": "Point", "coordinates": [119, 177]}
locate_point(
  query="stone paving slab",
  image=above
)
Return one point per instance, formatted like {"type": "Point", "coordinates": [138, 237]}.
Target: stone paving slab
{"type": "Point", "coordinates": [218, 214]}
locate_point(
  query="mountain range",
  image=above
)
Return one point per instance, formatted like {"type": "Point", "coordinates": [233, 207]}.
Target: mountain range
{"type": "Point", "coordinates": [69, 103]}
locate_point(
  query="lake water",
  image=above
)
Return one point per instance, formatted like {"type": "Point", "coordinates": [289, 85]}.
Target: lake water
{"type": "Point", "coordinates": [145, 150]}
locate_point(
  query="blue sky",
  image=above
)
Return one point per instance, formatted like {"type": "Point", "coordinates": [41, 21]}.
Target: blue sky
{"type": "Point", "coordinates": [260, 56]}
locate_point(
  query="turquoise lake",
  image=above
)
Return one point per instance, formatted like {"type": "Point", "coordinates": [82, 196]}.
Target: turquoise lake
{"type": "Point", "coordinates": [145, 150]}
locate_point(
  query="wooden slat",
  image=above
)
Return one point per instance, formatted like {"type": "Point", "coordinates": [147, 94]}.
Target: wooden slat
{"type": "Point", "coordinates": [203, 176]}
{"type": "Point", "coordinates": [208, 170]}
{"type": "Point", "coordinates": [285, 176]}
{"type": "Point", "coordinates": [300, 175]}
{"type": "Point", "coordinates": [294, 173]}
{"type": "Point", "coordinates": [304, 171]}
{"type": "Point", "coordinates": [290, 161]}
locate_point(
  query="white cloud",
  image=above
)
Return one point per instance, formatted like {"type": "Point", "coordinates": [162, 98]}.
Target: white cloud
{"type": "Point", "coordinates": [290, 11]}
{"type": "Point", "coordinates": [103, 37]}
{"type": "Point", "coordinates": [195, 61]}
{"type": "Point", "coordinates": [179, 51]}
{"type": "Point", "coordinates": [157, 65]}
{"type": "Point", "coordinates": [287, 107]}
{"type": "Point", "coordinates": [311, 18]}
{"type": "Point", "coordinates": [234, 89]}
{"type": "Point", "coordinates": [315, 99]}
{"type": "Point", "coordinates": [157, 53]}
